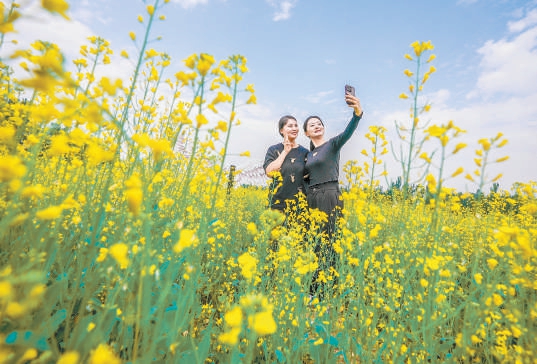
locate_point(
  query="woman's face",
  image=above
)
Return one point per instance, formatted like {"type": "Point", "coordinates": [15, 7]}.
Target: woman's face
{"type": "Point", "coordinates": [314, 128]}
{"type": "Point", "coordinates": [290, 129]}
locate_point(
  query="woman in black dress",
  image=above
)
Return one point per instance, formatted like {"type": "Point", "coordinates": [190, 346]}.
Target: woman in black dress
{"type": "Point", "coordinates": [284, 162]}
{"type": "Point", "coordinates": [321, 173]}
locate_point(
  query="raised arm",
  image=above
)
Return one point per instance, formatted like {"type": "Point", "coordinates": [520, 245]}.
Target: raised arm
{"type": "Point", "coordinates": [353, 103]}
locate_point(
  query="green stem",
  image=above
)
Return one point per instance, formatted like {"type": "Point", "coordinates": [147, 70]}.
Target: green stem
{"type": "Point", "coordinates": [226, 143]}
{"type": "Point", "coordinates": [406, 172]}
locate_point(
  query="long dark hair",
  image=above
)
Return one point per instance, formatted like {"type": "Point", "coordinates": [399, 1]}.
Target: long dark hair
{"type": "Point", "coordinates": [283, 121]}
{"type": "Point", "coordinates": [305, 126]}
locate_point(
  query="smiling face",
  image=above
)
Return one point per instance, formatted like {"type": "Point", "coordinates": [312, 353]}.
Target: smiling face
{"type": "Point", "coordinates": [290, 129]}
{"type": "Point", "coordinates": [314, 128]}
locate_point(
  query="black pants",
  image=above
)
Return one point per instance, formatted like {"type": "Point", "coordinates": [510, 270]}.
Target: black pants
{"type": "Point", "coordinates": [326, 198]}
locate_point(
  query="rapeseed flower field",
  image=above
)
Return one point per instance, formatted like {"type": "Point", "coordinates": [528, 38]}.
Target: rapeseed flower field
{"type": "Point", "coordinates": [119, 241]}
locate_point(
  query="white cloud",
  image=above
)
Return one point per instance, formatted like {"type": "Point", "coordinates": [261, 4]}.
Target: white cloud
{"type": "Point", "coordinates": [283, 8]}
{"type": "Point", "coordinates": [504, 99]}
{"type": "Point", "coordinates": [318, 97]}
{"type": "Point", "coordinates": [69, 36]}
{"type": "Point", "coordinates": [508, 65]}
{"type": "Point", "coordinates": [522, 24]}
{"type": "Point", "coordinates": [186, 4]}
{"type": "Point", "coordinates": [38, 24]}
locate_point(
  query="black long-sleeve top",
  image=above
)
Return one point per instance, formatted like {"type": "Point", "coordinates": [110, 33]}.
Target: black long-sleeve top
{"type": "Point", "coordinates": [292, 172]}
{"type": "Point", "coordinates": [322, 163]}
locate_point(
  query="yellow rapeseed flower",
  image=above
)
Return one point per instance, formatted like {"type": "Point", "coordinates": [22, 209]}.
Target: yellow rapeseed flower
{"type": "Point", "coordinates": [425, 157]}
{"type": "Point", "coordinates": [14, 309]}
{"type": "Point", "coordinates": [190, 62]}
{"type": "Point", "coordinates": [469, 177]}
{"type": "Point", "coordinates": [50, 213]}
{"type": "Point", "coordinates": [18, 219]}
{"type": "Point", "coordinates": [134, 194]}
{"type": "Point", "coordinates": [120, 253]}
{"type": "Point", "coordinates": [151, 53]}
{"type": "Point", "coordinates": [263, 323]}
{"type": "Point", "coordinates": [56, 6]}
{"type": "Point", "coordinates": [35, 191]}
{"type": "Point", "coordinates": [529, 208]}
{"type": "Point", "coordinates": [6, 290]}
{"type": "Point", "coordinates": [110, 87]}
{"type": "Point", "coordinates": [166, 202]}
{"type": "Point", "coordinates": [11, 167]}
{"type": "Point", "coordinates": [59, 145]}
{"type": "Point", "coordinates": [457, 172]}
{"type": "Point", "coordinates": [458, 147]}
{"type": "Point", "coordinates": [475, 339]}
{"type": "Point", "coordinates": [424, 283]}
{"type": "Point", "coordinates": [252, 100]}
{"type": "Point", "coordinates": [37, 291]}
{"type": "Point", "coordinates": [28, 355]}
{"type": "Point", "coordinates": [492, 263]}
{"type": "Point", "coordinates": [497, 299]}
{"type": "Point", "coordinates": [252, 229]}
{"type": "Point", "coordinates": [222, 125]}
{"type": "Point", "coordinates": [103, 252]}
{"type": "Point", "coordinates": [204, 64]}
{"type": "Point", "coordinates": [248, 265]}
{"type": "Point", "coordinates": [485, 143]}
{"type": "Point", "coordinates": [187, 238]}
{"type": "Point", "coordinates": [7, 133]}
{"type": "Point", "coordinates": [103, 354]}
{"type": "Point", "coordinates": [230, 337]}
{"type": "Point", "coordinates": [234, 317]}
{"type": "Point", "coordinates": [318, 342]}
{"type": "Point", "coordinates": [69, 357]}
{"type": "Point", "coordinates": [201, 120]}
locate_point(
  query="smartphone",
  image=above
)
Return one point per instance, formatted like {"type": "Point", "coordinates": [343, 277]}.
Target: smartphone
{"type": "Point", "coordinates": [349, 90]}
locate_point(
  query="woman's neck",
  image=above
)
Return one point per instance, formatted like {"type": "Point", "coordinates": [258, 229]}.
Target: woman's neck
{"type": "Point", "coordinates": [318, 141]}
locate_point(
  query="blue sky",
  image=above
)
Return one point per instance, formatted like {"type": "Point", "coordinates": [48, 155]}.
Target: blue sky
{"type": "Point", "coordinates": [301, 53]}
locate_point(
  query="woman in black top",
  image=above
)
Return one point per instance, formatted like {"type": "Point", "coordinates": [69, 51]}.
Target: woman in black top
{"type": "Point", "coordinates": [321, 174]}
{"type": "Point", "coordinates": [288, 159]}
{"type": "Point", "coordinates": [322, 162]}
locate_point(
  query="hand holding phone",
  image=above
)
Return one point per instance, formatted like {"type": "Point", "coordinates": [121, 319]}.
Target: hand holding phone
{"type": "Point", "coordinates": [349, 90]}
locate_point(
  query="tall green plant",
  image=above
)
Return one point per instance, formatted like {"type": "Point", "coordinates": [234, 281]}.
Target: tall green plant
{"type": "Point", "coordinates": [412, 142]}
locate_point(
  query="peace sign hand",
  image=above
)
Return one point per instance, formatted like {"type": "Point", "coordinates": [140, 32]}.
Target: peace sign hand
{"type": "Point", "coordinates": [287, 145]}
